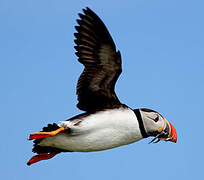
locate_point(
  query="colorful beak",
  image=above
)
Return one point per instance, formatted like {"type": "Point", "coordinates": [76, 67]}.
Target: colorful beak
{"type": "Point", "coordinates": [173, 134]}
{"type": "Point", "coordinates": [169, 133]}
{"type": "Point", "coordinates": [166, 134]}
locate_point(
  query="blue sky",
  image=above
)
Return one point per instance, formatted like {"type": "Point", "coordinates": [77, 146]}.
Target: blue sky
{"type": "Point", "coordinates": [162, 49]}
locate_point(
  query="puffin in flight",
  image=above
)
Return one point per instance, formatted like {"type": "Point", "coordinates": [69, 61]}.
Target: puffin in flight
{"type": "Point", "coordinates": [106, 122]}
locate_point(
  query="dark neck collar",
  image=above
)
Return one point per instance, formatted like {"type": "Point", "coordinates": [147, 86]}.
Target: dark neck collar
{"type": "Point", "coordinates": [141, 124]}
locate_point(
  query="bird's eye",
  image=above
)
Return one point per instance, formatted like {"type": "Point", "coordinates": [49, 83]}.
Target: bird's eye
{"type": "Point", "coordinates": [156, 119]}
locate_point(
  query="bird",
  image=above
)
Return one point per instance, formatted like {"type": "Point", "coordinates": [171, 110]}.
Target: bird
{"type": "Point", "coordinates": [106, 122]}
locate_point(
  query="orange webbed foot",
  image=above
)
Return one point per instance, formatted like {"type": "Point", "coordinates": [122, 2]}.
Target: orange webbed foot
{"type": "Point", "coordinates": [39, 135]}
{"type": "Point", "coordinates": [41, 156]}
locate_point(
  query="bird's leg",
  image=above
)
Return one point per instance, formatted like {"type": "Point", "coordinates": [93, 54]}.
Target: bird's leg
{"type": "Point", "coordinates": [39, 135]}
{"type": "Point", "coordinates": [41, 156]}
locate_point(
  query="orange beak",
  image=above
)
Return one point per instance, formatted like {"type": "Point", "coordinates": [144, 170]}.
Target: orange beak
{"type": "Point", "coordinates": [169, 133]}
{"type": "Point", "coordinates": [166, 134]}
{"type": "Point", "coordinates": [173, 134]}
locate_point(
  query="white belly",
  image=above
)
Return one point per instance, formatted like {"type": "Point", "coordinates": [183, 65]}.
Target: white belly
{"type": "Point", "coordinates": [100, 131]}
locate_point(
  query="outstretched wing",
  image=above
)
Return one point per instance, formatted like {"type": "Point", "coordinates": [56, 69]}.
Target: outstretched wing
{"type": "Point", "coordinates": [102, 64]}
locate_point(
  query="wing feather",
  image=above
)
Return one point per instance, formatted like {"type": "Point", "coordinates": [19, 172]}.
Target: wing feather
{"type": "Point", "coordinates": [96, 51]}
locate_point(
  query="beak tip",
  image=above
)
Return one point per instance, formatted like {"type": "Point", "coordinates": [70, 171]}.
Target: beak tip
{"type": "Point", "coordinates": [173, 133]}
{"type": "Point", "coordinates": [174, 140]}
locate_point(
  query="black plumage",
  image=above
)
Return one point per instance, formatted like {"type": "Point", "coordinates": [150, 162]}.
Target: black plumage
{"type": "Point", "coordinates": [95, 88]}
{"type": "Point", "coordinates": [45, 149]}
{"type": "Point", "coordinates": [96, 51]}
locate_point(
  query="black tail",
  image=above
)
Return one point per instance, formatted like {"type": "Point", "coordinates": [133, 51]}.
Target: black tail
{"type": "Point", "coordinates": [42, 149]}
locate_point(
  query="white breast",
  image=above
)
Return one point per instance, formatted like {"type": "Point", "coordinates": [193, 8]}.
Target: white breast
{"type": "Point", "coordinates": [100, 131]}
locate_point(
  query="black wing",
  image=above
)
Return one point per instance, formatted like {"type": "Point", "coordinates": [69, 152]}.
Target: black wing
{"type": "Point", "coordinates": [96, 51]}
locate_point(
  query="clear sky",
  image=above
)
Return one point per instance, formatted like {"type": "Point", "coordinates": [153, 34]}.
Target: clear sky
{"type": "Point", "coordinates": [161, 42]}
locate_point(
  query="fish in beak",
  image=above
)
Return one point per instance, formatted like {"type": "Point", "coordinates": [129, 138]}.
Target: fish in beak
{"type": "Point", "coordinates": [166, 134]}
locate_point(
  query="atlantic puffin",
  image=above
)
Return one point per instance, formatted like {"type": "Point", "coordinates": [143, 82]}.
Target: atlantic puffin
{"type": "Point", "coordinates": [106, 122]}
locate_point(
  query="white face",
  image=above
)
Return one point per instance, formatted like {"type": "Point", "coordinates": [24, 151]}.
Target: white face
{"type": "Point", "coordinates": [153, 121]}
